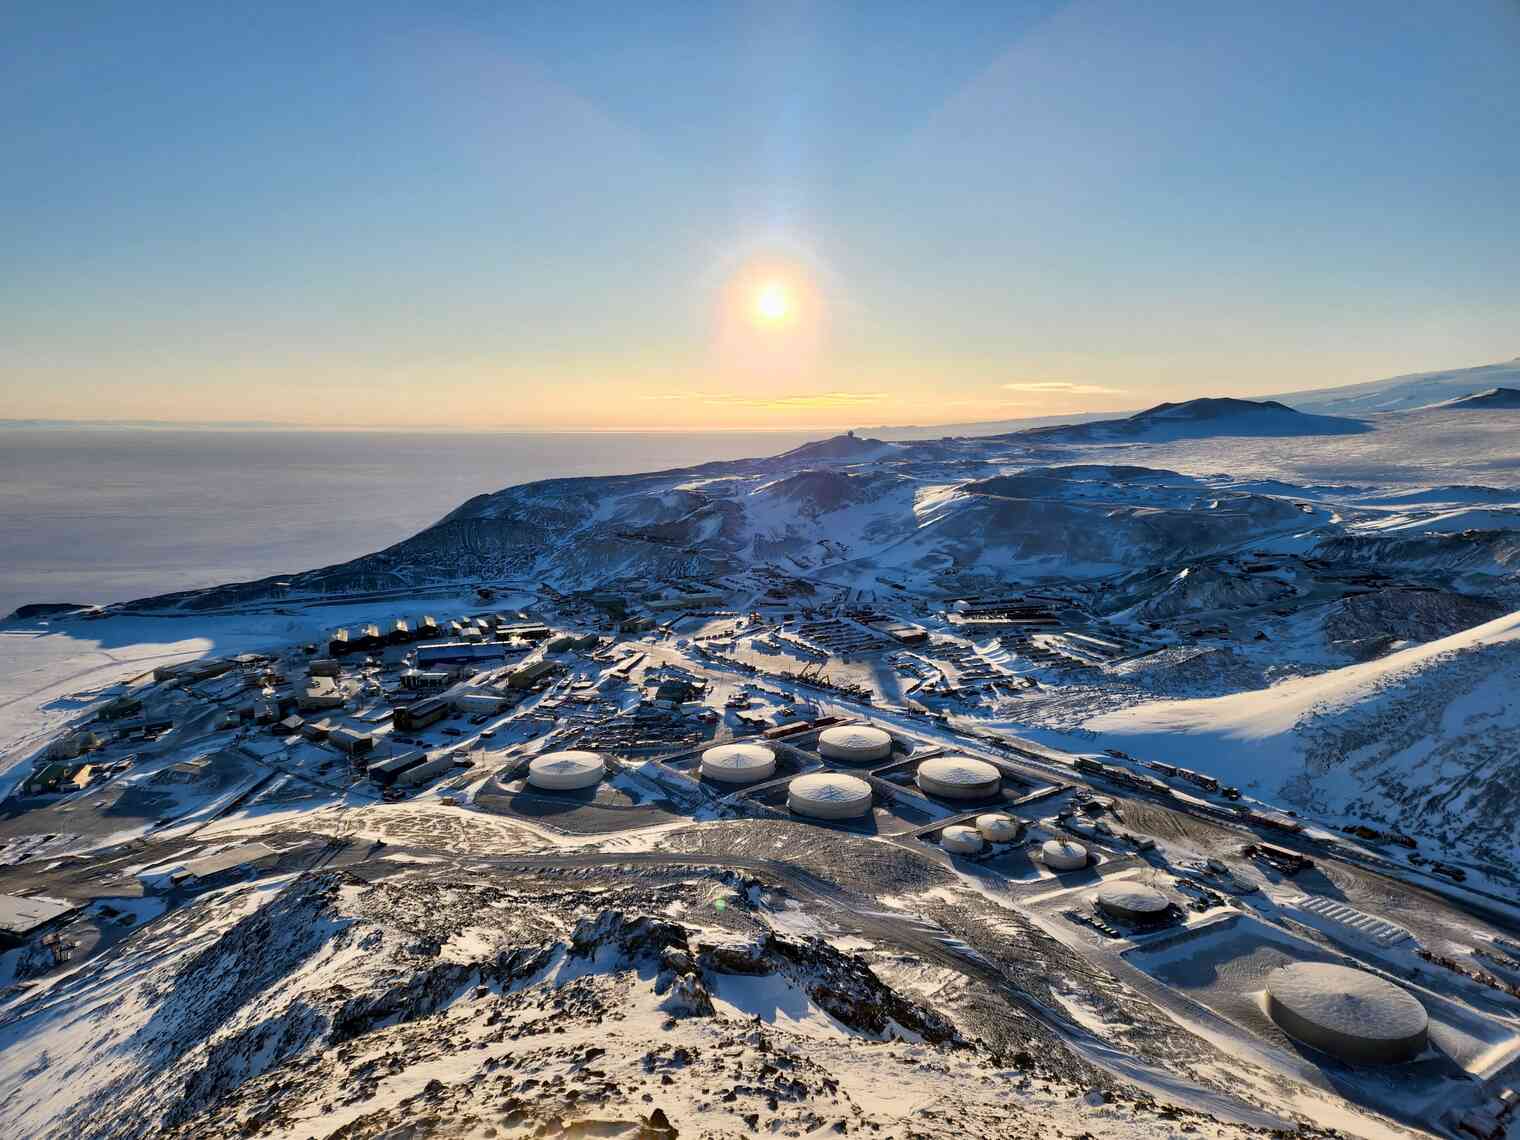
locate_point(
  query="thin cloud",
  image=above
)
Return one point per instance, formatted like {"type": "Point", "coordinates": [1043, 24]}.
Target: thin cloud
{"type": "Point", "coordinates": [812, 400]}
{"type": "Point", "coordinates": [1063, 387]}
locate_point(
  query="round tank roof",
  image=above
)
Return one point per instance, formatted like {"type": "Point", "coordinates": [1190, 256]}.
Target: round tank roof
{"type": "Point", "coordinates": [738, 763]}
{"type": "Point", "coordinates": [828, 795]}
{"type": "Point", "coordinates": [958, 777]}
{"type": "Point", "coordinates": [1063, 855]}
{"type": "Point", "coordinates": [1349, 1013]}
{"type": "Point", "coordinates": [997, 827]}
{"type": "Point", "coordinates": [855, 743]}
{"type": "Point", "coordinates": [961, 839]}
{"type": "Point", "coordinates": [1132, 902]}
{"type": "Point", "coordinates": [564, 770]}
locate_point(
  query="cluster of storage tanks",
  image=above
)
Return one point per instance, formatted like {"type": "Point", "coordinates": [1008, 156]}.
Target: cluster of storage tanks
{"type": "Point", "coordinates": [969, 839]}
{"type": "Point", "coordinates": [1348, 1013]}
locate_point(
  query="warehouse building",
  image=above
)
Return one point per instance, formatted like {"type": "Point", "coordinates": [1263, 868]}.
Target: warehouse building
{"type": "Point", "coordinates": [420, 714]}
{"type": "Point", "coordinates": [350, 741]}
{"type": "Point", "coordinates": [427, 770]}
{"type": "Point", "coordinates": [321, 693]}
{"type": "Point", "coordinates": [25, 917]}
{"type": "Point", "coordinates": [445, 652]}
{"type": "Point", "coordinates": [528, 674]}
{"type": "Point", "coordinates": [477, 703]}
{"type": "Point", "coordinates": [427, 680]}
{"type": "Point", "coordinates": [384, 773]}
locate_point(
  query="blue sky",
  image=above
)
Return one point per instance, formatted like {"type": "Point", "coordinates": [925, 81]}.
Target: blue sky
{"type": "Point", "coordinates": [555, 215]}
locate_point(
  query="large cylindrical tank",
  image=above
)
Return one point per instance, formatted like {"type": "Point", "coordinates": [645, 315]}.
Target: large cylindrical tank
{"type": "Point", "coordinates": [829, 795]}
{"type": "Point", "coordinates": [855, 743]}
{"type": "Point", "coordinates": [1349, 1013]}
{"type": "Point", "coordinates": [739, 763]}
{"type": "Point", "coordinates": [959, 778]}
{"type": "Point", "coordinates": [562, 771]}
{"type": "Point", "coordinates": [1134, 903]}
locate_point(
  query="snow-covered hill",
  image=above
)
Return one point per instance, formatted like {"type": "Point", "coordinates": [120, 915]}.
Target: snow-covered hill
{"type": "Point", "coordinates": [1202, 418]}
{"type": "Point", "coordinates": [1507, 398]}
{"type": "Point", "coordinates": [1425, 738]}
{"type": "Point", "coordinates": [1403, 393]}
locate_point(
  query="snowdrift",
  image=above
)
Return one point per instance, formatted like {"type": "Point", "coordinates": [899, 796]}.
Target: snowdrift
{"type": "Point", "coordinates": [1425, 736]}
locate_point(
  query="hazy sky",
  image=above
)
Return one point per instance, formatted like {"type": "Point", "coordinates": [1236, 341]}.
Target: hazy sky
{"type": "Point", "coordinates": [566, 214]}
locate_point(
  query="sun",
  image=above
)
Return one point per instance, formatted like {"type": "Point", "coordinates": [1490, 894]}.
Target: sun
{"type": "Point", "coordinates": [773, 304]}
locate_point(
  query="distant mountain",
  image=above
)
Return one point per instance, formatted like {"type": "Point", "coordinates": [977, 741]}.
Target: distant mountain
{"type": "Point", "coordinates": [847, 446]}
{"type": "Point", "coordinates": [1196, 419]}
{"type": "Point", "coordinates": [1405, 393]}
{"type": "Point", "coordinates": [1498, 398]}
{"type": "Point", "coordinates": [986, 427]}
{"type": "Point", "coordinates": [1395, 394]}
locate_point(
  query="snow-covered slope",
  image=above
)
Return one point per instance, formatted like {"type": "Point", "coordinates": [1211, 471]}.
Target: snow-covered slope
{"type": "Point", "coordinates": [1201, 418]}
{"type": "Point", "coordinates": [1402, 393]}
{"type": "Point", "coordinates": [1424, 738]}
{"type": "Point", "coordinates": [914, 510]}
{"type": "Point", "coordinates": [1508, 398]}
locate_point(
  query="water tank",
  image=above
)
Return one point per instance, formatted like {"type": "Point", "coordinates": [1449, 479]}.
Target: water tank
{"type": "Point", "coordinates": [1132, 902]}
{"type": "Point", "coordinates": [854, 743]}
{"type": "Point", "coordinates": [828, 795]}
{"type": "Point", "coordinates": [959, 778]}
{"type": "Point", "coordinates": [565, 770]}
{"type": "Point", "coordinates": [997, 827]}
{"type": "Point", "coordinates": [1063, 855]}
{"type": "Point", "coordinates": [739, 763]}
{"type": "Point", "coordinates": [1349, 1013]}
{"type": "Point", "coordinates": [960, 839]}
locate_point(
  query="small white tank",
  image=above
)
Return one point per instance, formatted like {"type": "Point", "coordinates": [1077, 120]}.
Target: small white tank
{"type": "Point", "coordinates": [1063, 855]}
{"type": "Point", "coordinates": [961, 840]}
{"type": "Point", "coordinates": [997, 827]}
